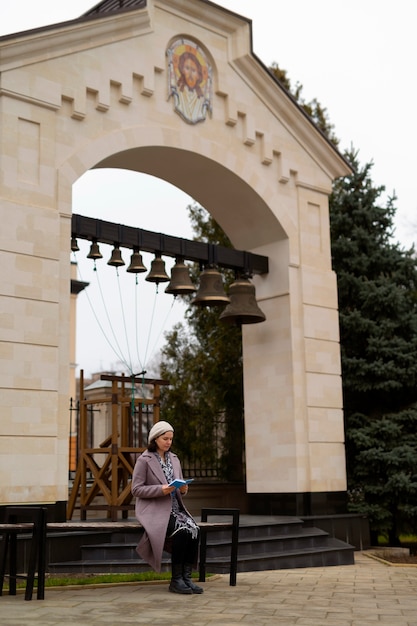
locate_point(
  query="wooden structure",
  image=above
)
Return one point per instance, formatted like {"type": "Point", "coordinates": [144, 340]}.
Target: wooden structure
{"type": "Point", "coordinates": [106, 470]}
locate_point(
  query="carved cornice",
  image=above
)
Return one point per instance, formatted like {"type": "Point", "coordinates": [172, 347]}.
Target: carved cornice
{"type": "Point", "coordinates": [278, 101]}
{"type": "Point", "coordinates": [74, 36]}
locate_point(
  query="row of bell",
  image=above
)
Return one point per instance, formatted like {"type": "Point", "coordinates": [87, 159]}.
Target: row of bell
{"type": "Point", "coordinates": [241, 306]}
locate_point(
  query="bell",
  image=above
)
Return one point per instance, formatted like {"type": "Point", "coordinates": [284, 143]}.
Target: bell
{"type": "Point", "coordinates": [157, 273]}
{"type": "Point", "coordinates": [116, 258]}
{"type": "Point", "coordinates": [136, 264]}
{"type": "Point", "coordinates": [210, 291]}
{"type": "Point", "coordinates": [180, 283]}
{"type": "Point", "coordinates": [74, 245]}
{"type": "Point", "coordinates": [243, 308]}
{"type": "Point", "coordinates": [94, 251]}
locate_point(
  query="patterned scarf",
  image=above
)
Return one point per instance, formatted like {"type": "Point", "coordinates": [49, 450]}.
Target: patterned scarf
{"type": "Point", "coordinates": [183, 521]}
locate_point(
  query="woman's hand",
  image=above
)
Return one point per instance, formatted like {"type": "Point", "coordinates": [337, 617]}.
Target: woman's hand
{"type": "Point", "coordinates": [184, 490]}
{"type": "Point", "coordinates": [166, 489]}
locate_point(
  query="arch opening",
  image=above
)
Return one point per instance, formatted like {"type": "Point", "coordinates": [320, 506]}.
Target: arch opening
{"type": "Point", "coordinates": [230, 198]}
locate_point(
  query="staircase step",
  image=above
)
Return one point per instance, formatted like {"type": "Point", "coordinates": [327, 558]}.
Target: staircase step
{"type": "Point", "coordinates": [267, 543]}
{"type": "Point", "coordinates": [221, 547]}
{"type": "Point", "coordinates": [109, 551]}
{"type": "Point", "coordinates": [308, 557]}
{"type": "Point", "coordinates": [312, 537]}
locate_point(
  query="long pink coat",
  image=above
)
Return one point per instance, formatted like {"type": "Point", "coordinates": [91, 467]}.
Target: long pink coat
{"type": "Point", "coordinates": [153, 508]}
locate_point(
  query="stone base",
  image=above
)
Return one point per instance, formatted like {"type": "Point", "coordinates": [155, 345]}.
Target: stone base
{"type": "Point", "coordinates": [298, 504]}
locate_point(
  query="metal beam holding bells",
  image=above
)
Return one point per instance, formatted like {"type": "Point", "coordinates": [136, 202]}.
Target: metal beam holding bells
{"type": "Point", "coordinates": [100, 231]}
{"type": "Point", "coordinates": [242, 307]}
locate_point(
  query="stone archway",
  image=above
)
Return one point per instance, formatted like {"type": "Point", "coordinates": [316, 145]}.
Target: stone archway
{"type": "Point", "coordinates": [92, 93]}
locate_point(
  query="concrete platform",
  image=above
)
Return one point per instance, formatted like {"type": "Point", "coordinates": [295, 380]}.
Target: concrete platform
{"type": "Point", "coordinates": [364, 594]}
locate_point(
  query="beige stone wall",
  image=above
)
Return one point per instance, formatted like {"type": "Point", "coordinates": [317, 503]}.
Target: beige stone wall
{"type": "Point", "coordinates": [94, 94]}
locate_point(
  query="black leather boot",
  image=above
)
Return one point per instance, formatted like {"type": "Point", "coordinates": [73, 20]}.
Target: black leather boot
{"type": "Point", "coordinates": [186, 574]}
{"type": "Point", "coordinates": [177, 584]}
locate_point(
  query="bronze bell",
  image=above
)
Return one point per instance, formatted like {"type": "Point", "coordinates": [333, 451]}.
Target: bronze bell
{"type": "Point", "coordinates": [211, 291]}
{"type": "Point", "coordinates": [136, 264]}
{"type": "Point", "coordinates": [243, 308]}
{"type": "Point", "coordinates": [157, 273]}
{"type": "Point", "coordinates": [116, 258]}
{"type": "Point", "coordinates": [94, 251]}
{"type": "Point", "coordinates": [74, 244]}
{"type": "Point", "coordinates": [180, 283]}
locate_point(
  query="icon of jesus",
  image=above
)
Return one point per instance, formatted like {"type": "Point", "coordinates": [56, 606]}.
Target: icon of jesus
{"type": "Point", "coordinates": [190, 82]}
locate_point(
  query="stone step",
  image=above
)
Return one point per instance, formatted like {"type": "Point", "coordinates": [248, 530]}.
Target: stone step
{"type": "Point", "coordinates": [267, 543]}
{"type": "Point", "coordinates": [311, 537]}
{"type": "Point", "coordinates": [335, 553]}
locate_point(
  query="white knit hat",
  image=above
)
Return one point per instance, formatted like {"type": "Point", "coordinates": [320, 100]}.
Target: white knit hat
{"type": "Point", "coordinates": [159, 429]}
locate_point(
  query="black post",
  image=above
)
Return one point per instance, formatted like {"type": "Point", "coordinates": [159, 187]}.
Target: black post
{"type": "Point", "coordinates": [235, 514]}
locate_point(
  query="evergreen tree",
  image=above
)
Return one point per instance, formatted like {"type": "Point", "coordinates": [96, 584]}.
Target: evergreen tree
{"type": "Point", "coordinates": [377, 289]}
{"type": "Point", "coordinates": [382, 454]}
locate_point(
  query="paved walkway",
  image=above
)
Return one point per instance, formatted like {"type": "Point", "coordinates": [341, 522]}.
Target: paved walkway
{"type": "Point", "coordinates": [364, 594]}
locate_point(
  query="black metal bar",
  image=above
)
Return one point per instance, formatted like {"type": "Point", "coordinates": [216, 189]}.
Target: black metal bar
{"type": "Point", "coordinates": [5, 546]}
{"type": "Point", "coordinates": [235, 514]}
{"type": "Point", "coordinates": [203, 552]}
{"type": "Point", "coordinates": [128, 237]}
{"type": "Point", "coordinates": [40, 530]}
{"type": "Point", "coordinates": [36, 516]}
{"type": "Point", "coordinates": [138, 380]}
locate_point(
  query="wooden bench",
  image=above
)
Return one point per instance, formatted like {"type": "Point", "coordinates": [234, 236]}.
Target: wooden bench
{"type": "Point", "coordinates": [39, 528]}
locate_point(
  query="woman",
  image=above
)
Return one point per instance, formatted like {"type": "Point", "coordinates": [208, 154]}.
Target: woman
{"type": "Point", "coordinates": [161, 511]}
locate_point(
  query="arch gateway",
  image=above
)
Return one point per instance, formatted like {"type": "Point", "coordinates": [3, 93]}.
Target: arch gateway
{"type": "Point", "coordinates": [105, 90]}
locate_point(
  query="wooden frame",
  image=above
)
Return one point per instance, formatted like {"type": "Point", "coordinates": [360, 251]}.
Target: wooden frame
{"type": "Point", "coordinates": [110, 478]}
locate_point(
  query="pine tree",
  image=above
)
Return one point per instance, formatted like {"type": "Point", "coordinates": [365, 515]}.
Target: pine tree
{"type": "Point", "coordinates": [377, 289]}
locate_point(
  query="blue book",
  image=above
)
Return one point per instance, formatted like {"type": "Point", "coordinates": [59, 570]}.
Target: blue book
{"type": "Point", "coordinates": [179, 482]}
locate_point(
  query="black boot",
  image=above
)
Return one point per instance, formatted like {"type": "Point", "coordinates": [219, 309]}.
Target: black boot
{"type": "Point", "coordinates": [177, 584]}
{"type": "Point", "coordinates": [186, 574]}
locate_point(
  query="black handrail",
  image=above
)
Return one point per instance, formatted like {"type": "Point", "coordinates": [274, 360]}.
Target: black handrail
{"type": "Point", "coordinates": [235, 514]}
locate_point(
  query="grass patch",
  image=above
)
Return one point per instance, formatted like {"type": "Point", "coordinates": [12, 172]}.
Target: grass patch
{"type": "Point", "coordinates": [100, 579]}
{"type": "Point", "coordinates": [404, 539]}
{"type": "Point", "coordinates": [97, 579]}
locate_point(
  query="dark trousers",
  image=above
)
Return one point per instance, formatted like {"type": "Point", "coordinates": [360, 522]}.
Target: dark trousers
{"type": "Point", "coordinates": [184, 548]}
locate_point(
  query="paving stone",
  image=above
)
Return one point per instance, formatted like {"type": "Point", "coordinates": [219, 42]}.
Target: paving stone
{"type": "Point", "coordinates": [364, 594]}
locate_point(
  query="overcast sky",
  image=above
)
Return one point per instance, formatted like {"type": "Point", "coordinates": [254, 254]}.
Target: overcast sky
{"type": "Point", "coordinates": [357, 58]}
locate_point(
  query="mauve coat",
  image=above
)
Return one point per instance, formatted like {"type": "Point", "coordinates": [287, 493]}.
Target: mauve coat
{"type": "Point", "coordinates": [153, 508]}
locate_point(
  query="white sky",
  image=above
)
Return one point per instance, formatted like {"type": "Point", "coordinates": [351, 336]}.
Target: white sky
{"type": "Point", "coordinates": [357, 58]}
